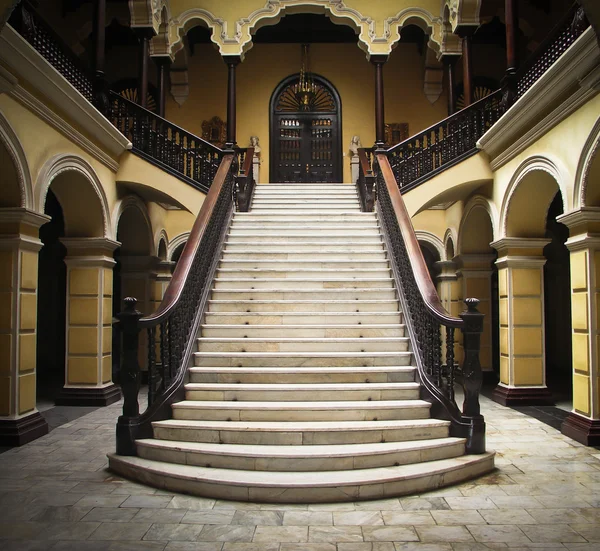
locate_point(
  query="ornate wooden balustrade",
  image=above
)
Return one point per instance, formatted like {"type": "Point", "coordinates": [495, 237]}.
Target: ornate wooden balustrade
{"type": "Point", "coordinates": [444, 144]}
{"type": "Point", "coordinates": [40, 35]}
{"type": "Point", "coordinates": [165, 144]}
{"type": "Point", "coordinates": [171, 330]}
{"type": "Point", "coordinates": [244, 181]}
{"type": "Point", "coordinates": [426, 318]}
{"type": "Point", "coordinates": [569, 29]}
{"type": "Point", "coordinates": [366, 180]}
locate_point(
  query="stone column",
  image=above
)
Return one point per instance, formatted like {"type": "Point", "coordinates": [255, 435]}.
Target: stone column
{"type": "Point", "coordinates": [476, 281]}
{"type": "Point", "coordinates": [378, 61]}
{"type": "Point", "coordinates": [20, 422]}
{"type": "Point", "coordinates": [583, 423]}
{"type": "Point", "coordinates": [354, 168]}
{"type": "Point", "coordinates": [521, 308]}
{"type": "Point", "coordinates": [88, 378]}
{"type": "Point", "coordinates": [256, 167]}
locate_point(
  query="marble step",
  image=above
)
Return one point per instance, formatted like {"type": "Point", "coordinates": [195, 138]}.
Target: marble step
{"type": "Point", "coordinates": [298, 487]}
{"type": "Point", "coordinates": [255, 411]}
{"type": "Point", "coordinates": [277, 209]}
{"type": "Point", "coordinates": [304, 264]}
{"type": "Point", "coordinates": [305, 201]}
{"type": "Point", "coordinates": [287, 319]}
{"type": "Point", "coordinates": [290, 229]}
{"type": "Point", "coordinates": [299, 433]}
{"type": "Point", "coordinates": [306, 231]}
{"type": "Point", "coordinates": [301, 359]}
{"type": "Point", "coordinates": [305, 375]}
{"type": "Point", "coordinates": [300, 458]}
{"type": "Point", "coordinates": [313, 331]}
{"type": "Point", "coordinates": [309, 306]}
{"type": "Point", "coordinates": [302, 273]}
{"type": "Point", "coordinates": [315, 218]}
{"type": "Point", "coordinates": [304, 294]}
{"type": "Point", "coordinates": [305, 247]}
{"type": "Point", "coordinates": [347, 238]}
{"type": "Point", "coordinates": [293, 344]}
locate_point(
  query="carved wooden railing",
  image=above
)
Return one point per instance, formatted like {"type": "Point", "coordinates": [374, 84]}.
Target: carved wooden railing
{"type": "Point", "coordinates": [366, 180]}
{"type": "Point", "coordinates": [171, 330]}
{"type": "Point", "coordinates": [48, 43]}
{"type": "Point", "coordinates": [444, 144]}
{"type": "Point", "coordinates": [426, 318]}
{"type": "Point", "coordinates": [569, 29]}
{"type": "Point", "coordinates": [244, 181]}
{"type": "Point", "coordinates": [165, 144]}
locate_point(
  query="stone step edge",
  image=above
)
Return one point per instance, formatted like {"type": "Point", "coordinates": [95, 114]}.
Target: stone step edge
{"type": "Point", "coordinates": [319, 340]}
{"type": "Point", "coordinates": [295, 387]}
{"type": "Point", "coordinates": [338, 370]}
{"type": "Point", "coordinates": [294, 487]}
{"type": "Point", "coordinates": [316, 326]}
{"type": "Point", "coordinates": [293, 406]}
{"type": "Point", "coordinates": [338, 450]}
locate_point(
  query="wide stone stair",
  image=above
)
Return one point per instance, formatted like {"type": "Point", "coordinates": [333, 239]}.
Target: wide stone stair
{"type": "Point", "coordinates": [303, 387]}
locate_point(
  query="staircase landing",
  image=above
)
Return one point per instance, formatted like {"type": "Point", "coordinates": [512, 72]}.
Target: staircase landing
{"type": "Point", "coordinates": [303, 387]}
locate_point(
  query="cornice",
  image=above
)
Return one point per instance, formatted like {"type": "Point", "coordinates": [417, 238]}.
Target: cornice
{"type": "Point", "coordinates": [21, 215]}
{"type": "Point", "coordinates": [28, 65]}
{"type": "Point", "coordinates": [516, 130]}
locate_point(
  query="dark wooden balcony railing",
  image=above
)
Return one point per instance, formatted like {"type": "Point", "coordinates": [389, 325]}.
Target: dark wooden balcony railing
{"type": "Point", "coordinates": [444, 144]}
{"type": "Point", "coordinates": [51, 47]}
{"type": "Point", "coordinates": [165, 144]}
{"type": "Point", "coordinates": [564, 34]}
{"type": "Point", "coordinates": [426, 318]}
{"type": "Point", "coordinates": [171, 330]}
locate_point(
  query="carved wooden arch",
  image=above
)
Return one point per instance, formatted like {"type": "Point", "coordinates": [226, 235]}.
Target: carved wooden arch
{"type": "Point", "coordinates": [238, 40]}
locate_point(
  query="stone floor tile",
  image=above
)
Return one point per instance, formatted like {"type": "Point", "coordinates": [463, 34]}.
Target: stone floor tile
{"type": "Point", "coordinates": [204, 516]}
{"type": "Point", "coordinates": [22, 530]}
{"type": "Point", "coordinates": [331, 507]}
{"type": "Point", "coordinates": [240, 546]}
{"type": "Point", "coordinates": [560, 502]}
{"type": "Point", "coordinates": [335, 534]}
{"type": "Point", "coordinates": [100, 501]}
{"type": "Point", "coordinates": [227, 533]}
{"type": "Point", "coordinates": [357, 518]}
{"type": "Point", "coordinates": [223, 504]}
{"type": "Point", "coordinates": [175, 532]}
{"type": "Point", "coordinates": [160, 516]}
{"type": "Point", "coordinates": [281, 534]}
{"type": "Point", "coordinates": [110, 514]}
{"type": "Point", "coordinates": [307, 518]}
{"type": "Point", "coordinates": [552, 533]}
{"type": "Point", "coordinates": [367, 546]}
{"type": "Point", "coordinates": [555, 516]}
{"type": "Point", "coordinates": [581, 546]}
{"type": "Point", "coordinates": [34, 545]}
{"type": "Point", "coordinates": [85, 545]}
{"type": "Point", "coordinates": [590, 532]}
{"type": "Point", "coordinates": [188, 502]}
{"type": "Point", "coordinates": [460, 518]}
{"type": "Point", "coordinates": [485, 490]}
{"type": "Point", "coordinates": [255, 518]}
{"type": "Point", "coordinates": [460, 503]}
{"type": "Point", "coordinates": [378, 505]}
{"type": "Point", "coordinates": [410, 518]}
{"type": "Point", "coordinates": [443, 534]}
{"type": "Point", "coordinates": [524, 502]}
{"type": "Point", "coordinates": [423, 547]}
{"type": "Point", "coordinates": [307, 547]}
{"type": "Point", "coordinates": [420, 503]}
{"type": "Point", "coordinates": [390, 533]}
{"type": "Point", "coordinates": [508, 516]}
{"type": "Point", "coordinates": [147, 502]}
{"type": "Point", "coordinates": [498, 533]}
{"type": "Point", "coordinates": [477, 546]}
{"type": "Point", "coordinates": [196, 546]}
{"type": "Point", "coordinates": [137, 546]}
{"type": "Point", "coordinates": [117, 531]}
{"type": "Point", "coordinates": [61, 514]}
{"type": "Point", "coordinates": [70, 530]}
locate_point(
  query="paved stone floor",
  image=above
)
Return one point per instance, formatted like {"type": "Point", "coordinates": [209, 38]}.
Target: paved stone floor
{"type": "Point", "coordinates": [57, 494]}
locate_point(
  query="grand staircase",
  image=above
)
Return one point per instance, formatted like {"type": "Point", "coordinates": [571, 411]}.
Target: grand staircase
{"type": "Point", "coordinates": [303, 387]}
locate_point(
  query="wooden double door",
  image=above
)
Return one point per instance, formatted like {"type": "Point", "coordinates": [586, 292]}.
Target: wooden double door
{"type": "Point", "coordinates": [305, 143]}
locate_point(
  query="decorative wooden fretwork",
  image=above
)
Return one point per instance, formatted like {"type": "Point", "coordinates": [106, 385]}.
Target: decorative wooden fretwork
{"type": "Point", "coordinates": [395, 132]}
{"type": "Point", "coordinates": [132, 95]}
{"type": "Point", "coordinates": [215, 131]}
{"type": "Point", "coordinates": [322, 101]}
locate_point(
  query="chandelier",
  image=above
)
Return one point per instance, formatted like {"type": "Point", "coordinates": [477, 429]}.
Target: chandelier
{"type": "Point", "coordinates": [306, 90]}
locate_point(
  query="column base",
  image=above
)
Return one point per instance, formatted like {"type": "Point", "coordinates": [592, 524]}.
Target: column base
{"type": "Point", "coordinates": [583, 430]}
{"type": "Point", "coordinates": [89, 397]}
{"type": "Point", "coordinates": [16, 432]}
{"type": "Point", "coordinates": [527, 396]}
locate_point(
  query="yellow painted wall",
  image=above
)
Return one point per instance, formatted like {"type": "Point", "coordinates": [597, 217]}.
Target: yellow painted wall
{"type": "Point", "coordinates": [344, 65]}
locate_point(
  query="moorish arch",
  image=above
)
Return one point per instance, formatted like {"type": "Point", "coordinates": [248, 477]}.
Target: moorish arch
{"type": "Point", "coordinates": [235, 37]}
{"type": "Point", "coordinates": [132, 222]}
{"type": "Point", "coordinates": [587, 178]}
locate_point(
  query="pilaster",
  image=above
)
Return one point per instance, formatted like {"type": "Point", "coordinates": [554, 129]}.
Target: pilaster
{"type": "Point", "coordinates": [20, 422]}
{"type": "Point", "coordinates": [583, 423]}
{"type": "Point", "coordinates": [88, 378]}
{"type": "Point", "coordinates": [521, 310]}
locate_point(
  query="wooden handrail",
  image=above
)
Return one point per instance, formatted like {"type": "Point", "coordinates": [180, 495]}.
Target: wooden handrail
{"type": "Point", "coordinates": [363, 159]}
{"type": "Point", "coordinates": [448, 119]}
{"type": "Point", "coordinates": [188, 254]}
{"type": "Point", "coordinates": [419, 267]}
{"type": "Point", "coordinates": [248, 159]}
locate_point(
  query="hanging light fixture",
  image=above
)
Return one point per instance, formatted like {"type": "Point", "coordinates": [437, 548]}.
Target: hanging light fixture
{"type": "Point", "coordinates": [305, 91]}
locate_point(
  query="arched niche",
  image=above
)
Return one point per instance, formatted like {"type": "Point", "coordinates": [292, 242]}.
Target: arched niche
{"type": "Point", "coordinates": [476, 232]}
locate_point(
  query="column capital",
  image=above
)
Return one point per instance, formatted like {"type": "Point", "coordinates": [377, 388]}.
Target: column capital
{"type": "Point", "coordinates": [90, 251]}
{"type": "Point", "coordinates": [448, 270]}
{"type": "Point", "coordinates": [475, 261]}
{"type": "Point", "coordinates": [582, 220]}
{"type": "Point", "coordinates": [378, 59]}
{"type": "Point", "coordinates": [232, 59]}
{"type": "Point", "coordinates": [518, 247]}
{"type": "Point", "coordinates": [20, 216]}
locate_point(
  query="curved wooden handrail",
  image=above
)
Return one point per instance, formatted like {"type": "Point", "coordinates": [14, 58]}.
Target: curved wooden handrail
{"type": "Point", "coordinates": [248, 159]}
{"type": "Point", "coordinates": [420, 271]}
{"type": "Point", "coordinates": [173, 292]}
{"type": "Point", "coordinates": [431, 128]}
{"type": "Point", "coordinates": [363, 159]}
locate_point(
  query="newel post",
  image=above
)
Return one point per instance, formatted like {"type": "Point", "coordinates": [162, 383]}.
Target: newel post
{"type": "Point", "coordinates": [130, 375]}
{"type": "Point", "coordinates": [472, 376]}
